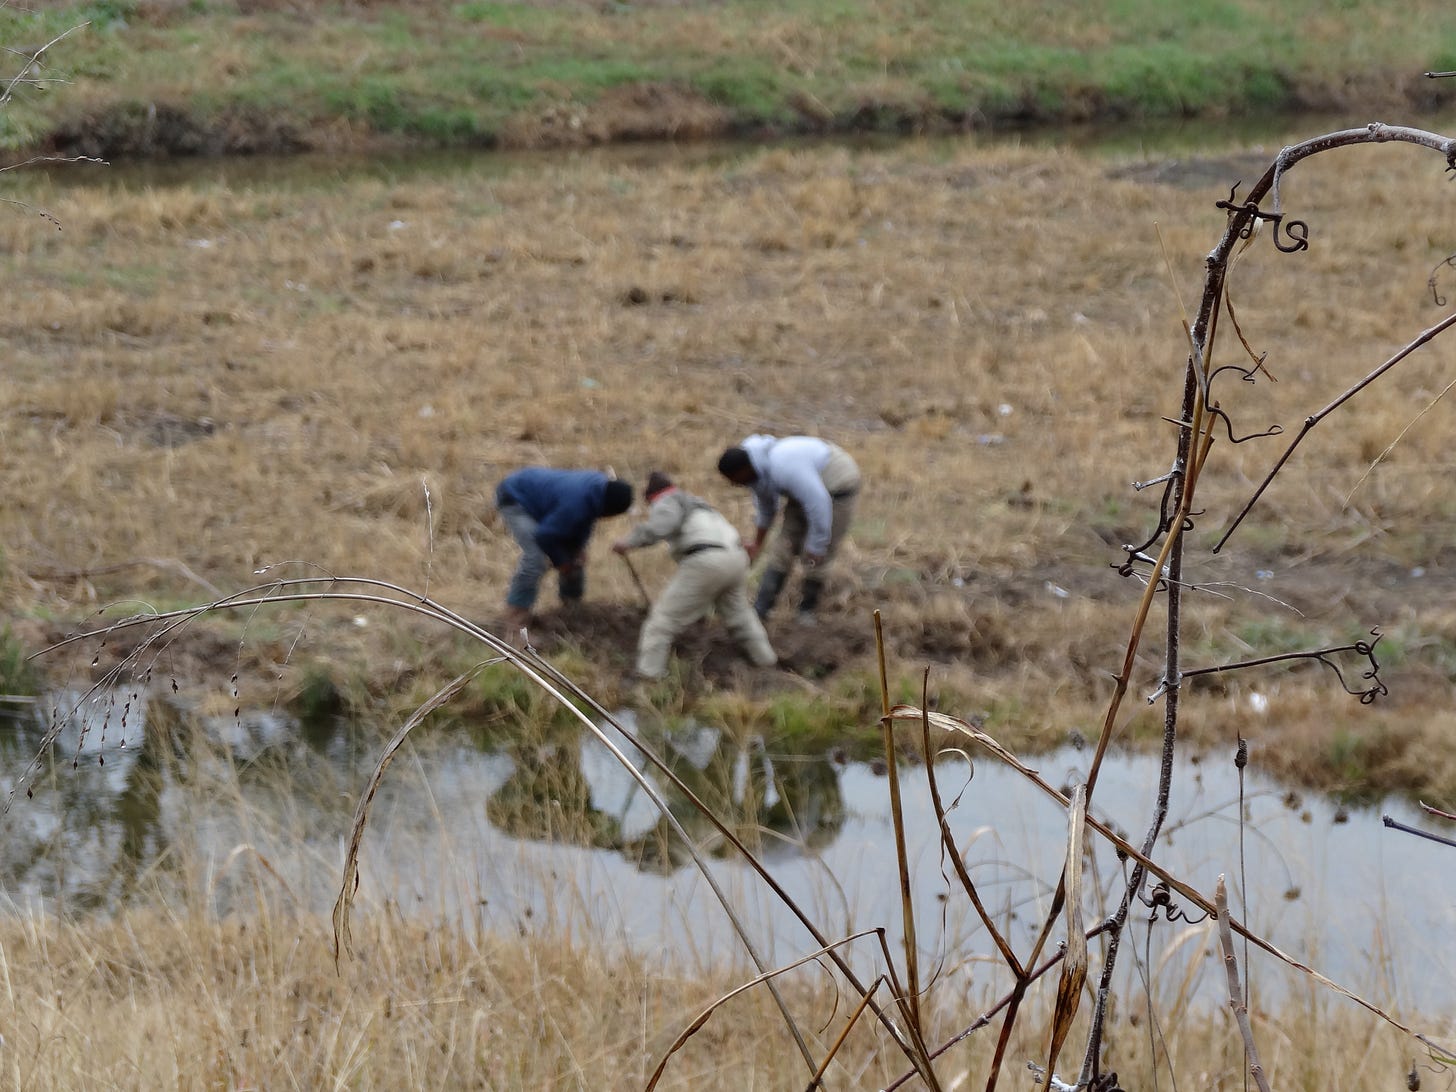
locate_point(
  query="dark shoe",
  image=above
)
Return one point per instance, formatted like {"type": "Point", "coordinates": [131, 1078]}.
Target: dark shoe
{"type": "Point", "coordinates": [809, 598]}
{"type": "Point", "coordinates": [768, 591]}
{"type": "Point", "coordinates": [572, 585]}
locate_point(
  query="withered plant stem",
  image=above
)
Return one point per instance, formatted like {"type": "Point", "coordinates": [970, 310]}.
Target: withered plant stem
{"type": "Point", "coordinates": [1236, 997]}
{"type": "Point", "coordinates": [902, 860]}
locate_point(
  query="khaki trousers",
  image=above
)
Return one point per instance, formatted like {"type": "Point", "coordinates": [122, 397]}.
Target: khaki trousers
{"type": "Point", "coordinates": [708, 579]}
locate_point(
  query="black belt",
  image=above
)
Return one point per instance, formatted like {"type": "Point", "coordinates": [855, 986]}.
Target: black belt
{"type": "Point", "coordinates": [701, 546]}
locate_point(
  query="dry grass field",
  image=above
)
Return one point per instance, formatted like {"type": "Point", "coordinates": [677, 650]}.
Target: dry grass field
{"type": "Point", "coordinates": [171, 1000]}
{"type": "Point", "coordinates": [329, 370]}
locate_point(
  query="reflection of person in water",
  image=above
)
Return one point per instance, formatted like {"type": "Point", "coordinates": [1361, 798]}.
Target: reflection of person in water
{"type": "Point", "coordinates": [809, 812]}
{"type": "Point", "coordinates": [788, 803]}
{"type": "Point", "coordinates": [138, 813]}
{"type": "Point", "coordinates": [548, 798]}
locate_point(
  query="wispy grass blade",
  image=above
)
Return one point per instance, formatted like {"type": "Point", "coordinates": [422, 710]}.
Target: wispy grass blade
{"type": "Point", "coordinates": [1074, 966]}
{"type": "Point", "coordinates": [703, 1017]}
{"type": "Point", "coordinates": [349, 884]}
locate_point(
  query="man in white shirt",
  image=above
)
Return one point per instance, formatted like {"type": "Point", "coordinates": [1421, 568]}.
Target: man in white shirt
{"type": "Point", "coordinates": [818, 484]}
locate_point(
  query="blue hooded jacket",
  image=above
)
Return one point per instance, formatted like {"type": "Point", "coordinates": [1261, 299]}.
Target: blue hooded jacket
{"type": "Point", "coordinates": [564, 503]}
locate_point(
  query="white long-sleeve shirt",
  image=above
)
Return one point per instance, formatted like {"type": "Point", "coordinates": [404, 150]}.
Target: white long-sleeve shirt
{"type": "Point", "coordinates": [792, 467]}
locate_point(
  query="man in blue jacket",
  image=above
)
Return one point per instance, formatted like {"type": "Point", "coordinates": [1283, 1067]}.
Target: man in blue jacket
{"type": "Point", "coordinates": [550, 514]}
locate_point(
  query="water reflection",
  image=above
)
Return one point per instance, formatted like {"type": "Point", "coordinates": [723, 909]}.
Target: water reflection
{"type": "Point", "coordinates": [314, 171]}
{"type": "Point", "coordinates": [577, 793]}
{"type": "Point", "coordinates": [557, 833]}
{"type": "Point", "coordinates": [102, 808]}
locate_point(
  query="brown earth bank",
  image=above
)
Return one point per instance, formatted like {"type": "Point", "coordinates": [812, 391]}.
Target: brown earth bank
{"type": "Point", "coordinates": [657, 112]}
{"type": "Point", "coordinates": [944, 641]}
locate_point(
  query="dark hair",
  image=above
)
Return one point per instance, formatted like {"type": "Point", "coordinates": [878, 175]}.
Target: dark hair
{"type": "Point", "coordinates": [657, 481]}
{"type": "Point", "coordinates": [617, 498]}
{"type": "Point", "coordinates": [733, 462]}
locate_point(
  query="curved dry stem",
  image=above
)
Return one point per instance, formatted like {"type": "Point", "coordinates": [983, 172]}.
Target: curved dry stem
{"type": "Point", "coordinates": [947, 841]}
{"type": "Point", "coordinates": [349, 885]}
{"type": "Point", "coordinates": [703, 1017]}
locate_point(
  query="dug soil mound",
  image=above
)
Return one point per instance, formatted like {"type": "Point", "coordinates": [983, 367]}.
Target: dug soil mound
{"type": "Point", "coordinates": [607, 632]}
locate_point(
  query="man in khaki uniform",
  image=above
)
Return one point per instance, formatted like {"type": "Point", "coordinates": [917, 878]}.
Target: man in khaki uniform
{"type": "Point", "coordinates": [818, 483]}
{"type": "Point", "coordinates": [712, 571]}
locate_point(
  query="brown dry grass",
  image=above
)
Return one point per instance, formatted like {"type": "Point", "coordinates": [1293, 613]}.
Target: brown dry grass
{"type": "Point", "coordinates": [174, 1000]}
{"type": "Point", "coordinates": [240, 375]}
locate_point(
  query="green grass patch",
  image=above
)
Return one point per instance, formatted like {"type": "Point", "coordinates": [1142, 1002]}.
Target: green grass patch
{"type": "Point", "coordinates": [455, 75]}
{"type": "Point", "coordinates": [18, 675]}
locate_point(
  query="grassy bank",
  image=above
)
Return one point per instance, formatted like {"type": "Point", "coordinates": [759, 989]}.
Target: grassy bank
{"type": "Point", "coordinates": [171, 77]}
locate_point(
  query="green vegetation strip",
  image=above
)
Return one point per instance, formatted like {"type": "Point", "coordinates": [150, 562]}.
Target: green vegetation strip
{"type": "Point", "coordinates": [225, 76]}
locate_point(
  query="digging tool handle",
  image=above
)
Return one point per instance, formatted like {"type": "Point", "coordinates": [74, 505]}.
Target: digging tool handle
{"type": "Point", "coordinates": [641, 590]}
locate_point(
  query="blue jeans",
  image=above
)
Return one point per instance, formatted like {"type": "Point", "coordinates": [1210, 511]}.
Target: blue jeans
{"type": "Point", "coordinates": [526, 580]}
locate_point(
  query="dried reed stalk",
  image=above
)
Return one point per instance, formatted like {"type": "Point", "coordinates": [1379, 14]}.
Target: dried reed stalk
{"type": "Point", "coordinates": [1236, 993]}
{"type": "Point", "coordinates": [1074, 966]}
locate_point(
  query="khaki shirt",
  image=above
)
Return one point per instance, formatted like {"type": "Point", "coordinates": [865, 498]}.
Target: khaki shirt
{"type": "Point", "coordinates": [683, 521]}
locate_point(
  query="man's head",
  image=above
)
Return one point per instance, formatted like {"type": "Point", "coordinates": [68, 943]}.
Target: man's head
{"type": "Point", "coordinates": [657, 484]}
{"type": "Point", "coordinates": [617, 499]}
{"type": "Point", "coordinates": [735, 465]}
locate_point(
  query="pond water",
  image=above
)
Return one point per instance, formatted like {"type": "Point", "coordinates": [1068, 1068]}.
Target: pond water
{"type": "Point", "coordinates": [557, 836]}
{"type": "Point", "coordinates": [1156, 140]}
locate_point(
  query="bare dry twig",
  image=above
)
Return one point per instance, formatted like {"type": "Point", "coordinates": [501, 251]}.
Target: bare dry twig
{"type": "Point", "coordinates": [1236, 994]}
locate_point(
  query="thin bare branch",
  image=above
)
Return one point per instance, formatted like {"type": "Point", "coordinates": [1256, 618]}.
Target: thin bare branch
{"type": "Point", "coordinates": [1404, 828]}
{"type": "Point", "coordinates": [1423, 338]}
{"type": "Point", "coordinates": [1236, 995]}
{"type": "Point", "coordinates": [32, 57]}
{"type": "Point", "coordinates": [949, 723]}
{"type": "Point", "coordinates": [1363, 648]}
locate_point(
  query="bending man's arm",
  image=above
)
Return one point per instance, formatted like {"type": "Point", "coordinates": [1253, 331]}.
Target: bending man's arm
{"type": "Point", "coordinates": [801, 481]}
